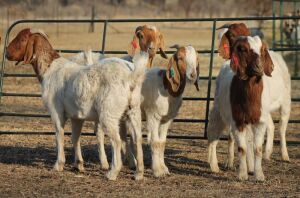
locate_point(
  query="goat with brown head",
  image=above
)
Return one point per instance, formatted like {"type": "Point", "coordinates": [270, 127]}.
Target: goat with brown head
{"type": "Point", "coordinates": [147, 38]}
{"type": "Point", "coordinates": [184, 63]}
{"type": "Point", "coordinates": [32, 47]}
{"type": "Point", "coordinates": [250, 60]}
{"type": "Point", "coordinates": [227, 40]}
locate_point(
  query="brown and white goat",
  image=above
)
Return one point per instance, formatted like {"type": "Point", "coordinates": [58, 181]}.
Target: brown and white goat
{"type": "Point", "coordinates": [246, 94]}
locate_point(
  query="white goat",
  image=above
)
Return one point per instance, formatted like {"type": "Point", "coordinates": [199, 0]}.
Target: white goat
{"type": "Point", "coordinates": [245, 98]}
{"type": "Point", "coordinates": [161, 99]}
{"type": "Point", "coordinates": [101, 92]}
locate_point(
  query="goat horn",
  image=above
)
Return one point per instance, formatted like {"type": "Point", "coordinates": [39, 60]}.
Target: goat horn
{"type": "Point", "coordinates": [176, 46]}
{"type": "Point", "coordinates": [227, 25]}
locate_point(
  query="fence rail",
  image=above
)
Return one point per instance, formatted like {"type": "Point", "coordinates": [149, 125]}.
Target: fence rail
{"type": "Point", "coordinates": [208, 78]}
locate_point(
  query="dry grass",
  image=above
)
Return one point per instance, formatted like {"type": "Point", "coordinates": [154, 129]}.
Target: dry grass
{"type": "Point", "coordinates": [26, 161]}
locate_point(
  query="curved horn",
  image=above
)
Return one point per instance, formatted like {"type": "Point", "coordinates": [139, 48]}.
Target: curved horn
{"type": "Point", "coordinates": [176, 46]}
{"type": "Point", "coordinates": [227, 25]}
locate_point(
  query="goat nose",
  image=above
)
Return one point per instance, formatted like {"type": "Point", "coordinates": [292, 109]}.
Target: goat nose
{"type": "Point", "coordinates": [193, 75]}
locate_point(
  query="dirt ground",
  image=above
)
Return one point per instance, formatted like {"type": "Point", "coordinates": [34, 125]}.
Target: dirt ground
{"type": "Point", "coordinates": [26, 171]}
{"type": "Point", "coordinates": [26, 160]}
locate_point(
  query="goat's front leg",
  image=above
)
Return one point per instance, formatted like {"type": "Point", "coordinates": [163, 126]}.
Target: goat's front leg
{"type": "Point", "coordinates": [59, 121]}
{"type": "Point", "coordinates": [250, 151]}
{"type": "Point", "coordinates": [163, 130]}
{"type": "Point", "coordinates": [76, 131]}
{"type": "Point", "coordinates": [135, 122]}
{"type": "Point", "coordinates": [242, 149]}
{"type": "Point", "coordinates": [101, 149]}
{"type": "Point", "coordinates": [259, 133]}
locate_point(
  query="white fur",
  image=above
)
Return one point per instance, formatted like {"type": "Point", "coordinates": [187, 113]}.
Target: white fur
{"type": "Point", "coordinates": [159, 109]}
{"type": "Point", "coordinates": [255, 43]}
{"type": "Point", "coordinates": [102, 92]}
{"type": "Point", "coordinates": [276, 95]}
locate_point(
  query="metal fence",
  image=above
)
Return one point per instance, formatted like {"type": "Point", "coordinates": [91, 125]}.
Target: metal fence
{"type": "Point", "coordinates": [208, 78]}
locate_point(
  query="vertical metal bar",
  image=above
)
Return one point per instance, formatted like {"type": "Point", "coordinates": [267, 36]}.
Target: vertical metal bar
{"type": "Point", "coordinates": [296, 41]}
{"type": "Point", "coordinates": [209, 76]}
{"type": "Point", "coordinates": [104, 37]}
{"type": "Point", "coordinates": [3, 62]}
{"type": "Point", "coordinates": [273, 26]}
{"type": "Point", "coordinates": [281, 26]}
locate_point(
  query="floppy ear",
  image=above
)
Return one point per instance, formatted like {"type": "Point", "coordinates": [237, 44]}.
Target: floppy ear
{"type": "Point", "coordinates": [224, 47]}
{"type": "Point", "coordinates": [29, 50]}
{"type": "Point", "coordinates": [133, 46]}
{"type": "Point", "coordinates": [161, 46]}
{"type": "Point", "coordinates": [172, 74]}
{"type": "Point", "coordinates": [198, 72]}
{"type": "Point", "coordinates": [234, 62]}
{"type": "Point", "coordinates": [266, 60]}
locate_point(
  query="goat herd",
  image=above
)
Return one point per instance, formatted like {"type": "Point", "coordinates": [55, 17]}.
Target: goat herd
{"type": "Point", "coordinates": [116, 93]}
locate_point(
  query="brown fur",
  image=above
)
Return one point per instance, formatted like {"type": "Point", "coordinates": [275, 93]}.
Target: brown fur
{"type": "Point", "coordinates": [247, 86]}
{"type": "Point", "coordinates": [266, 60]}
{"type": "Point", "coordinates": [234, 30]}
{"type": "Point", "coordinates": [245, 99]}
{"type": "Point", "coordinates": [142, 39]}
{"type": "Point", "coordinates": [176, 84]}
{"type": "Point", "coordinates": [33, 49]}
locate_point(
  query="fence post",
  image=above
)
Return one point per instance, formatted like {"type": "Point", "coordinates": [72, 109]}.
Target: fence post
{"type": "Point", "coordinates": [104, 36]}
{"type": "Point", "coordinates": [209, 75]}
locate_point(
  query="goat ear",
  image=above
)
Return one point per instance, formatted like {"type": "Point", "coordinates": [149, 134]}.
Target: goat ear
{"type": "Point", "coordinates": [172, 74]}
{"type": "Point", "coordinates": [266, 60]}
{"type": "Point", "coordinates": [198, 72]}
{"type": "Point", "coordinates": [29, 50]}
{"type": "Point", "coordinates": [133, 47]}
{"type": "Point", "coordinates": [234, 63]}
{"type": "Point", "coordinates": [161, 46]}
{"type": "Point", "coordinates": [224, 47]}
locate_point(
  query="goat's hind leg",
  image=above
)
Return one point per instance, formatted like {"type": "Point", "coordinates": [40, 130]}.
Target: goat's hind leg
{"type": "Point", "coordinates": [270, 138]}
{"type": "Point", "coordinates": [76, 131]}
{"type": "Point", "coordinates": [230, 158]}
{"type": "Point", "coordinates": [101, 149]}
{"type": "Point", "coordinates": [216, 126]}
{"type": "Point", "coordinates": [59, 122]}
{"type": "Point", "coordinates": [284, 119]}
{"type": "Point", "coordinates": [135, 122]}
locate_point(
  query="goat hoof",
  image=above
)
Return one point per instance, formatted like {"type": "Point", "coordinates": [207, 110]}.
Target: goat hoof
{"type": "Point", "coordinates": [160, 173]}
{"type": "Point", "coordinates": [139, 176]}
{"type": "Point", "coordinates": [79, 166]}
{"type": "Point", "coordinates": [243, 177]}
{"type": "Point", "coordinates": [215, 169]}
{"type": "Point", "coordinates": [285, 158]}
{"type": "Point", "coordinates": [229, 166]}
{"type": "Point", "coordinates": [105, 166]}
{"type": "Point", "coordinates": [259, 177]}
{"type": "Point", "coordinates": [111, 176]}
{"type": "Point", "coordinates": [59, 166]}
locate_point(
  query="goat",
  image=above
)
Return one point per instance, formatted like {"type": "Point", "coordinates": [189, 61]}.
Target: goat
{"type": "Point", "coordinates": [101, 93]}
{"type": "Point", "coordinates": [246, 94]}
{"type": "Point", "coordinates": [232, 32]}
